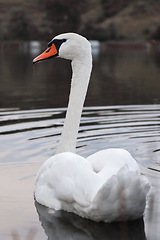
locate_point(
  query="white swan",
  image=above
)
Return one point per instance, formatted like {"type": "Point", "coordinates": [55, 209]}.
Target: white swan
{"type": "Point", "coordinates": [107, 186]}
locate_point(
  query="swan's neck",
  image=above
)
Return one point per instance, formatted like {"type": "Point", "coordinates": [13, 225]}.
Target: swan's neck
{"type": "Point", "coordinates": [81, 74]}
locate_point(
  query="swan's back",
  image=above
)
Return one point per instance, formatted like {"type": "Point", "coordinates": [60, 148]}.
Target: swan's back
{"type": "Point", "coordinates": [109, 161]}
{"type": "Point", "coordinates": [68, 182]}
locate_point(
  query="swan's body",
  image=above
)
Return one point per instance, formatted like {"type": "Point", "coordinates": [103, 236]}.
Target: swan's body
{"type": "Point", "coordinates": [106, 186]}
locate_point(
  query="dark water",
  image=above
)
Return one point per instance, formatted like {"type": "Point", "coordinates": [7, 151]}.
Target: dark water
{"type": "Point", "coordinates": [122, 109]}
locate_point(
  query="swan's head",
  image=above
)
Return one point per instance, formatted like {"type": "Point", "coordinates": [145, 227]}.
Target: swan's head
{"type": "Point", "coordinates": [68, 45]}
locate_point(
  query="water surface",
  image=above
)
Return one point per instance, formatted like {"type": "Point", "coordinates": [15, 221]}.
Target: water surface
{"type": "Point", "coordinates": [121, 110]}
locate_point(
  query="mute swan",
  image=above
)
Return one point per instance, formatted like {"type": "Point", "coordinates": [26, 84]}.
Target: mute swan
{"type": "Point", "coordinates": [106, 186]}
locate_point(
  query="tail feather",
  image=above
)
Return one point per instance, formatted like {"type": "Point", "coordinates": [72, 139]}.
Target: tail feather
{"type": "Point", "coordinates": [150, 191]}
{"type": "Point", "coordinates": [122, 197]}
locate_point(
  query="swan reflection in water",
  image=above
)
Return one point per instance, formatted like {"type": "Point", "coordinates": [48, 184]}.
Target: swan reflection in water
{"type": "Point", "coordinates": [60, 225]}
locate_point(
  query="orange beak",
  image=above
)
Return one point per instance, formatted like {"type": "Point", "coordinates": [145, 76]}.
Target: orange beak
{"type": "Point", "coordinates": [48, 53]}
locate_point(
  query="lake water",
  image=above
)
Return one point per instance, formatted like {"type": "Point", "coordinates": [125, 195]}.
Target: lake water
{"type": "Point", "coordinates": [122, 109]}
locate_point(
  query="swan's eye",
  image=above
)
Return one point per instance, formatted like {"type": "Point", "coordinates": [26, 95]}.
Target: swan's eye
{"type": "Point", "coordinates": [57, 42]}
{"type": "Point", "coordinates": [64, 40]}
{"type": "Point", "coordinates": [50, 44]}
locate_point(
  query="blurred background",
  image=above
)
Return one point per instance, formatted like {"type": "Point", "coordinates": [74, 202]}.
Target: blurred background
{"type": "Point", "coordinates": [96, 19]}
{"type": "Point", "coordinates": [125, 43]}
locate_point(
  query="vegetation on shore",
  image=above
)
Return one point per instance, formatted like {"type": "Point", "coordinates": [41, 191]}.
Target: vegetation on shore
{"type": "Point", "coordinates": [96, 19]}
